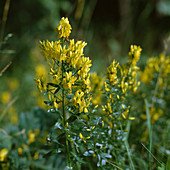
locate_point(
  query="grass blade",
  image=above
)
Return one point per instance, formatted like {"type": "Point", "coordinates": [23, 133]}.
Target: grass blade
{"type": "Point", "coordinates": [150, 132]}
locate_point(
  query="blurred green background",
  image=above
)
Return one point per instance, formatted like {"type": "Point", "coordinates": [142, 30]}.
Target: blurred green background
{"type": "Point", "coordinates": [109, 27]}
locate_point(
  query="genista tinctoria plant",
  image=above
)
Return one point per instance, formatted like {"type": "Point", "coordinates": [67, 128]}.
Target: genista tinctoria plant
{"type": "Point", "coordinates": [156, 77]}
{"type": "Point", "coordinates": [91, 116]}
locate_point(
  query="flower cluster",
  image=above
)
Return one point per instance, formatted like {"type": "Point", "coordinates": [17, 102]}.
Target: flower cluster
{"type": "Point", "coordinates": [68, 67]}
{"type": "Point", "coordinates": [64, 28]}
{"type": "Point", "coordinates": [127, 81]}
{"type": "Point", "coordinates": [154, 66]}
{"type": "Point", "coordinates": [134, 54]}
{"type": "Point", "coordinates": [156, 77]}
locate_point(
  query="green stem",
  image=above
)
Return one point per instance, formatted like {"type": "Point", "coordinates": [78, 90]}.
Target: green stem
{"type": "Point", "coordinates": [156, 87]}
{"type": "Point", "coordinates": [64, 120]}
{"type": "Point", "coordinates": [150, 132]}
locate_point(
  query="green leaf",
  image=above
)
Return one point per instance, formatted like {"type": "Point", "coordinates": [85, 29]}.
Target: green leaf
{"type": "Point", "coordinates": [150, 130]}
{"type": "Point", "coordinates": [52, 84]}
{"type": "Point", "coordinates": [48, 103]}
{"type": "Point", "coordinates": [7, 51]}
{"type": "Point", "coordinates": [78, 158]}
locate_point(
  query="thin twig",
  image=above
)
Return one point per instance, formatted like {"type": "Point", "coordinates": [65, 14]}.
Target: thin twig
{"type": "Point", "coordinates": [114, 165]}
{"type": "Point", "coordinates": [3, 131]}
{"type": "Point", "coordinates": [8, 106]}
{"type": "Point", "coordinates": [5, 68]}
{"type": "Point", "coordinates": [151, 153]}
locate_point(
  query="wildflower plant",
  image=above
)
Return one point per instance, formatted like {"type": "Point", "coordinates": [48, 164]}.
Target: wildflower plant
{"type": "Point", "coordinates": [156, 76]}
{"type": "Point", "coordinates": [69, 90]}
{"type": "Point", "coordinates": [90, 119]}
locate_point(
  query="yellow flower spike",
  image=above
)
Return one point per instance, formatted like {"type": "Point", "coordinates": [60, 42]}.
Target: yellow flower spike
{"type": "Point", "coordinates": [88, 130]}
{"type": "Point", "coordinates": [3, 154]}
{"type": "Point", "coordinates": [118, 97]}
{"type": "Point", "coordinates": [67, 125]}
{"type": "Point", "coordinates": [64, 28]}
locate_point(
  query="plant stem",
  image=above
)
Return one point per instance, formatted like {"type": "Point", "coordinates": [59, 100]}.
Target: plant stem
{"type": "Point", "coordinates": [63, 110]}
{"type": "Point", "coordinates": [150, 132]}
{"type": "Point", "coordinates": [64, 120]}
{"type": "Point", "coordinates": [156, 87]}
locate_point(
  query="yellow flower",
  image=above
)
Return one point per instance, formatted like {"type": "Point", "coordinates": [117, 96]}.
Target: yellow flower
{"type": "Point", "coordinates": [84, 64]}
{"type": "Point", "coordinates": [124, 85]}
{"type": "Point", "coordinates": [36, 155]}
{"type": "Point", "coordinates": [40, 83]}
{"type": "Point", "coordinates": [111, 73]}
{"type": "Point", "coordinates": [19, 151]}
{"type": "Point", "coordinates": [3, 154]}
{"type": "Point", "coordinates": [134, 54]}
{"type": "Point", "coordinates": [32, 135]}
{"type": "Point", "coordinates": [106, 86]}
{"type": "Point", "coordinates": [107, 108]}
{"type": "Point", "coordinates": [64, 28]}
{"type": "Point", "coordinates": [74, 52]}
{"type": "Point", "coordinates": [155, 114]}
{"type": "Point", "coordinates": [69, 80]}
{"type": "Point", "coordinates": [83, 138]}
{"type": "Point", "coordinates": [6, 97]}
